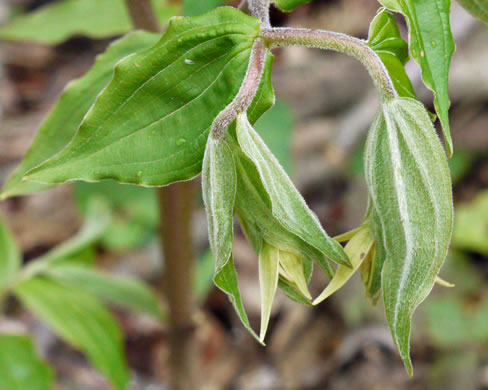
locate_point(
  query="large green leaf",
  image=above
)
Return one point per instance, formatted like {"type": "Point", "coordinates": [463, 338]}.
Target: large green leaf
{"type": "Point", "coordinates": [9, 256]}
{"type": "Point", "coordinates": [410, 188]}
{"type": "Point", "coordinates": [20, 367]}
{"type": "Point", "coordinates": [288, 5]}
{"type": "Point", "coordinates": [81, 320]}
{"type": "Point", "coordinates": [150, 125]}
{"type": "Point", "coordinates": [431, 46]}
{"type": "Point", "coordinates": [385, 39]}
{"type": "Point", "coordinates": [199, 7]}
{"type": "Point", "coordinates": [478, 8]}
{"type": "Point", "coordinates": [59, 21]}
{"type": "Point", "coordinates": [65, 118]}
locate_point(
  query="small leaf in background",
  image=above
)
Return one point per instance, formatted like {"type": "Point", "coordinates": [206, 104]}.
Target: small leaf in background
{"type": "Point", "coordinates": [269, 262]}
{"type": "Point", "coordinates": [199, 7]}
{"type": "Point", "coordinates": [204, 276]}
{"type": "Point", "coordinates": [150, 125]}
{"type": "Point", "coordinates": [9, 256]}
{"type": "Point", "coordinates": [477, 8]}
{"type": "Point", "coordinates": [134, 212]}
{"type": "Point", "coordinates": [460, 164]}
{"type": "Point", "coordinates": [56, 22]}
{"type": "Point", "coordinates": [287, 204]}
{"type": "Point", "coordinates": [20, 367]}
{"type": "Point", "coordinates": [385, 39]}
{"type": "Point", "coordinates": [61, 124]}
{"type": "Point", "coordinates": [410, 188]}
{"type": "Point", "coordinates": [123, 291]}
{"type": "Point", "coordinates": [276, 129]}
{"type": "Point", "coordinates": [82, 321]}
{"type": "Point", "coordinates": [431, 46]}
{"type": "Point", "coordinates": [288, 5]}
{"type": "Point", "coordinates": [471, 225]}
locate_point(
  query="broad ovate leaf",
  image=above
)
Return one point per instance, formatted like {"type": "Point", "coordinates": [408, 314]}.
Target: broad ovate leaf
{"type": "Point", "coordinates": [410, 189]}
{"type": "Point", "coordinates": [477, 8]}
{"type": "Point", "coordinates": [82, 321]}
{"type": "Point", "coordinates": [64, 119]}
{"type": "Point", "coordinates": [150, 125]}
{"type": "Point", "coordinates": [9, 256]}
{"type": "Point", "coordinates": [359, 249]}
{"type": "Point", "coordinates": [431, 46]}
{"type": "Point", "coordinates": [287, 204]}
{"type": "Point", "coordinates": [20, 366]}
{"type": "Point", "coordinates": [385, 39]}
{"type": "Point", "coordinates": [63, 19]}
{"type": "Point", "coordinates": [288, 5]}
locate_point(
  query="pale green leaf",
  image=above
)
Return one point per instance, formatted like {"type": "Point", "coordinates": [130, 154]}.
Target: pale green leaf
{"type": "Point", "coordinates": [81, 320]}
{"type": "Point", "coordinates": [291, 268]}
{"type": "Point", "coordinates": [63, 121]}
{"type": "Point", "coordinates": [287, 204]}
{"type": "Point", "coordinates": [288, 5]}
{"type": "Point", "coordinates": [410, 188]}
{"type": "Point", "coordinates": [20, 367]}
{"type": "Point", "coordinates": [199, 7]}
{"type": "Point", "coordinates": [123, 291]}
{"type": "Point", "coordinates": [9, 256]}
{"type": "Point", "coordinates": [359, 248]}
{"type": "Point", "coordinates": [150, 125]}
{"type": "Point", "coordinates": [204, 276]}
{"type": "Point", "coordinates": [431, 46]}
{"type": "Point", "coordinates": [61, 20]}
{"type": "Point", "coordinates": [478, 8]}
{"type": "Point", "coordinates": [269, 262]}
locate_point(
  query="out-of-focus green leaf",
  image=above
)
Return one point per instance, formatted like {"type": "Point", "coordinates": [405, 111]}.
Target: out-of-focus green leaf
{"type": "Point", "coordinates": [410, 188]}
{"type": "Point", "coordinates": [459, 164]}
{"type": "Point", "coordinates": [471, 225]}
{"type": "Point", "coordinates": [63, 121]}
{"type": "Point", "coordinates": [150, 125]}
{"type": "Point", "coordinates": [385, 39]}
{"type": "Point", "coordinates": [199, 7]}
{"type": "Point", "coordinates": [20, 367]}
{"type": "Point", "coordinates": [276, 129]}
{"type": "Point", "coordinates": [454, 370]}
{"type": "Point", "coordinates": [81, 320]}
{"type": "Point", "coordinates": [204, 275]}
{"type": "Point", "coordinates": [134, 212]}
{"type": "Point", "coordinates": [59, 21]}
{"type": "Point", "coordinates": [431, 46]}
{"type": "Point", "coordinates": [478, 8]}
{"type": "Point", "coordinates": [288, 5]}
{"type": "Point", "coordinates": [9, 256]}
{"type": "Point", "coordinates": [123, 291]}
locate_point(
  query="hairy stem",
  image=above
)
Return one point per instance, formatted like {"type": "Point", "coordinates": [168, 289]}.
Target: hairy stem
{"type": "Point", "coordinates": [176, 204]}
{"type": "Point", "coordinates": [260, 9]}
{"type": "Point", "coordinates": [276, 37]}
{"type": "Point", "coordinates": [246, 93]}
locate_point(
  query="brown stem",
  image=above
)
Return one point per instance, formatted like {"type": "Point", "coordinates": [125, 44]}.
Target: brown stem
{"type": "Point", "coordinates": [176, 204]}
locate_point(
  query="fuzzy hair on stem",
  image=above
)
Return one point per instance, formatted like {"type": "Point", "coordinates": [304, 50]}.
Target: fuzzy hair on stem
{"type": "Point", "coordinates": [260, 9]}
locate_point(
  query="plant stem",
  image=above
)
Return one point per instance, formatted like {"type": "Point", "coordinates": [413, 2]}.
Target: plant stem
{"type": "Point", "coordinates": [176, 203]}
{"type": "Point", "coordinates": [260, 9]}
{"type": "Point", "coordinates": [276, 37]}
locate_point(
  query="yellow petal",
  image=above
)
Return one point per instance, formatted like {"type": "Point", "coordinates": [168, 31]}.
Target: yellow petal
{"type": "Point", "coordinates": [268, 280]}
{"type": "Point", "coordinates": [292, 269]}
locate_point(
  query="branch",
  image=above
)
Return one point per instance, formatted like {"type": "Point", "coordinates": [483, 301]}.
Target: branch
{"type": "Point", "coordinates": [142, 15]}
{"type": "Point", "coordinates": [260, 9]}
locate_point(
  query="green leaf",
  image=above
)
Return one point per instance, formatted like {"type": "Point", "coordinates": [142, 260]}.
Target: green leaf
{"type": "Point", "coordinates": [477, 8]}
{"type": "Point", "coordinates": [9, 256]}
{"type": "Point", "coordinates": [287, 204]}
{"type": "Point", "coordinates": [385, 39]}
{"type": "Point", "coordinates": [410, 189]}
{"type": "Point", "coordinates": [81, 320]}
{"type": "Point", "coordinates": [269, 262]}
{"type": "Point", "coordinates": [65, 118]}
{"type": "Point", "coordinates": [20, 367]}
{"type": "Point", "coordinates": [199, 7]}
{"type": "Point", "coordinates": [431, 46]}
{"type": "Point", "coordinates": [123, 291]}
{"type": "Point", "coordinates": [134, 210]}
{"type": "Point", "coordinates": [288, 5]}
{"type": "Point", "coordinates": [150, 125]}
{"type": "Point", "coordinates": [56, 22]}
{"type": "Point", "coordinates": [204, 276]}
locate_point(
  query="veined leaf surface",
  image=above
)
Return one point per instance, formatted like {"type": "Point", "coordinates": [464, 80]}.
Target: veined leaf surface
{"type": "Point", "coordinates": [431, 46]}
{"type": "Point", "coordinates": [62, 122]}
{"type": "Point", "coordinates": [150, 125]}
{"type": "Point", "coordinates": [410, 188]}
{"type": "Point", "coordinates": [59, 21]}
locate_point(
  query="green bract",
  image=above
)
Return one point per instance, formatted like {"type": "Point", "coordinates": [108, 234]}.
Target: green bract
{"type": "Point", "coordinates": [288, 5]}
{"type": "Point", "coordinates": [194, 71]}
{"type": "Point", "coordinates": [410, 189]}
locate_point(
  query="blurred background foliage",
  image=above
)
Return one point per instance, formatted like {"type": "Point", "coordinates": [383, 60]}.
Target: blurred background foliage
{"type": "Point", "coordinates": [325, 105]}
